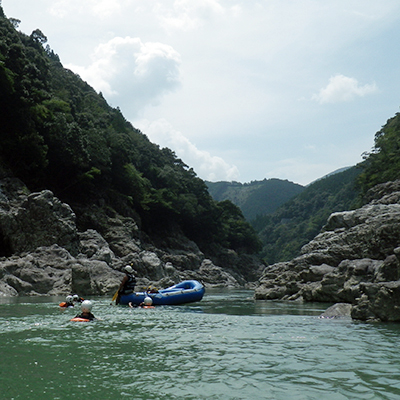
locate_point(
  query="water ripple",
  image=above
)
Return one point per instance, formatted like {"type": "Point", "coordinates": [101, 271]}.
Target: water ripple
{"type": "Point", "coordinates": [214, 350]}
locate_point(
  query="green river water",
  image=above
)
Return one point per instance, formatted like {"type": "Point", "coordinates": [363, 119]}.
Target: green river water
{"type": "Point", "coordinates": [225, 347]}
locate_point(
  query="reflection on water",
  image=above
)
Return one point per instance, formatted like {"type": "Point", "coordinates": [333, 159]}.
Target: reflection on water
{"type": "Point", "coordinates": [226, 347]}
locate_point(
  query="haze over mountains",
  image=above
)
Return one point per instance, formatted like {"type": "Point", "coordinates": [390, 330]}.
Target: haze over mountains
{"type": "Point", "coordinates": [257, 197]}
{"type": "Point", "coordinates": [286, 215]}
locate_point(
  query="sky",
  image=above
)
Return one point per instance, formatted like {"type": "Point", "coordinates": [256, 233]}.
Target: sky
{"type": "Point", "coordinates": [240, 90]}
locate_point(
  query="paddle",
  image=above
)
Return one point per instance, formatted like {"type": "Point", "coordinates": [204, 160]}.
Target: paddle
{"type": "Point", "coordinates": [115, 296]}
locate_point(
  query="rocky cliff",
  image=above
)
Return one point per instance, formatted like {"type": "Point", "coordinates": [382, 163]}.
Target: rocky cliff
{"type": "Point", "coordinates": [43, 252]}
{"type": "Point", "coordinates": [354, 260]}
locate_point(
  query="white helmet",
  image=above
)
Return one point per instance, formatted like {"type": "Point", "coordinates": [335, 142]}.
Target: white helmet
{"type": "Point", "coordinates": [129, 269]}
{"type": "Point", "coordinates": [148, 301]}
{"type": "Point", "coordinates": [75, 297]}
{"type": "Point", "coordinates": [86, 305]}
{"type": "Point", "coordinates": [69, 299]}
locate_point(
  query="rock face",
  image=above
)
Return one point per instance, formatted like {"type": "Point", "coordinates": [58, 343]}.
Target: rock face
{"type": "Point", "coordinates": [43, 253]}
{"type": "Point", "coordinates": [354, 260]}
{"type": "Point", "coordinates": [338, 310]}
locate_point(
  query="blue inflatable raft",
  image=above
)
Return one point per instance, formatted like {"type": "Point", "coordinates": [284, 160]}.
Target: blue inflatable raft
{"type": "Point", "coordinates": [184, 292]}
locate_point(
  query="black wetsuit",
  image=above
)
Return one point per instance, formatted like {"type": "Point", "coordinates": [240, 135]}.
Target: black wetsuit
{"type": "Point", "coordinates": [89, 316]}
{"type": "Point", "coordinates": [129, 285]}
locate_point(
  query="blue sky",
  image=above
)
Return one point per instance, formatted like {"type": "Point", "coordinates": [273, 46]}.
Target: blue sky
{"type": "Point", "coordinates": [241, 90]}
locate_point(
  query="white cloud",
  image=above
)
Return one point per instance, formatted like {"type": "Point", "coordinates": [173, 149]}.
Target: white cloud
{"type": "Point", "coordinates": [100, 8]}
{"type": "Point", "coordinates": [129, 69]}
{"type": "Point", "coordinates": [342, 89]}
{"type": "Point", "coordinates": [207, 167]}
{"type": "Point", "coordinates": [188, 14]}
{"type": "Point", "coordinates": [240, 68]}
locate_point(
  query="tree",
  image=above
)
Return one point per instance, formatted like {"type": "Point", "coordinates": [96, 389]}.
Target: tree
{"type": "Point", "coordinates": [38, 36]}
{"type": "Point", "coordinates": [382, 164]}
{"type": "Point", "coordinates": [56, 132]}
{"type": "Point", "coordinates": [15, 22]}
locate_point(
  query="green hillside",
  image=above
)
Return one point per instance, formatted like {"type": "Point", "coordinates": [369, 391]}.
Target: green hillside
{"type": "Point", "coordinates": [257, 197]}
{"type": "Point", "coordinates": [57, 133]}
{"type": "Point", "coordinates": [382, 164]}
{"type": "Point", "coordinates": [296, 222]}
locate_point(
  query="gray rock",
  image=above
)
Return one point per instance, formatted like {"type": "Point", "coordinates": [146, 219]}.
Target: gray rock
{"type": "Point", "coordinates": [38, 219]}
{"type": "Point", "coordinates": [214, 276]}
{"type": "Point", "coordinates": [42, 252]}
{"type": "Point", "coordinates": [42, 272]}
{"type": "Point", "coordinates": [94, 246]}
{"type": "Point", "coordinates": [152, 264]}
{"type": "Point", "coordinates": [53, 271]}
{"type": "Point", "coordinates": [379, 301]}
{"type": "Point", "coordinates": [354, 260]}
{"type": "Point", "coordinates": [93, 277]}
{"type": "Point", "coordinates": [338, 310]}
{"type": "Point", "coordinates": [6, 290]}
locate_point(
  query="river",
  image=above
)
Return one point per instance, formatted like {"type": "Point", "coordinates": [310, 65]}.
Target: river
{"type": "Point", "coordinates": [227, 346]}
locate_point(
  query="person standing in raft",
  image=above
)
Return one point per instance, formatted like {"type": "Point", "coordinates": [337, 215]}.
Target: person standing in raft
{"type": "Point", "coordinates": [128, 283]}
{"type": "Point", "coordinates": [86, 308]}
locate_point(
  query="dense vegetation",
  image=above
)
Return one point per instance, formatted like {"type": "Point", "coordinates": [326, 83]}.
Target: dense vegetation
{"type": "Point", "coordinates": [285, 215]}
{"type": "Point", "coordinates": [56, 132]}
{"type": "Point", "coordinates": [382, 164]}
{"type": "Point", "coordinates": [295, 223]}
{"type": "Point", "coordinates": [257, 197]}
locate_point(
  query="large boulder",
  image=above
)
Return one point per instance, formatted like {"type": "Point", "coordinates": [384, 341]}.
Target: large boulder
{"type": "Point", "coordinates": [212, 275]}
{"type": "Point", "coordinates": [43, 272]}
{"type": "Point", "coordinates": [338, 310]}
{"type": "Point", "coordinates": [379, 301]}
{"type": "Point", "coordinates": [93, 277]}
{"type": "Point", "coordinates": [28, 221]}
{"type": "Point", "coordinates": [354, 260]}
{"type": "Point", "coordinates": [53, 271]}
{"type": "Point", "coordinates": [368, 232]}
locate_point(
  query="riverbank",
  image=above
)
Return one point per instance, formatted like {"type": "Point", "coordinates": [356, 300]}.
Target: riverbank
{"type": "Point", "coordinates": [44, 252]}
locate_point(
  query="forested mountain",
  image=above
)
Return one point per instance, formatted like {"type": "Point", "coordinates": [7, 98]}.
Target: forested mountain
{"type": "Point", "coordinates": [338, 171]}
{"type": "Point", "coordinates": [256, 198]}
{"type": "Point", "coordinates": [57, 133]}
{"type": "Point", "coordinates": [299, 220]}
{"type": "Point", "coordinates": [286, 215]}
